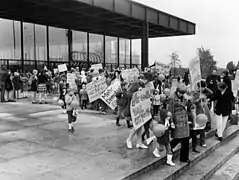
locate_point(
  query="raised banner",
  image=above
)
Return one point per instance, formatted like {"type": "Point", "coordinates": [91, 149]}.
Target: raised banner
{"type": "Point", "coordinates": [109, 96]}
{"type": "Point", "coordinates": [96, 67]}
{"type": "Point", "coordinates": [130, 75]}
{"type": "Point", "coordinates": [95, 89]}
{"type": "Point", "coordinates": [140, 107]}
{"type": "Point", "coordinates": [62, 67]}
{"type": "Point", "coordinates": [162, 68]}
{"type": "Point", "coordinates": [71, 80]}
{"type": "Point", "coordinates": [195, 72]}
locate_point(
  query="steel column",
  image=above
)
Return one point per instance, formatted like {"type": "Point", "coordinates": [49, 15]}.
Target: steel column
{"type": "Point", "coordinates": [70, 44]}
{"type": "Point", "coordinates": [118, 51]}
{"type": "Point", "coordinates": [130, 53]}
{"type": "Point", "coordinates": [104, 53]}
{"type": "Point", "coordinates": [88, 50]}
{"type": "Point", "coordinates": [145, 46]}
{"type": "Point", "coordinates": [22, 46]}
{"type": "Point", "coordinates": [47, 47]}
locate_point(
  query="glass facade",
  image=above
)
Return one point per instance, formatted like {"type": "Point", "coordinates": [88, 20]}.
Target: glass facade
{"type": "Point", "coordinates": [111, 52]}
{"type": "Point", "coordinates": [96, 48]}
{"type": "Point", "coordinates": [26, 46]}
{"type": "Point", "coordinates": [79, 49]}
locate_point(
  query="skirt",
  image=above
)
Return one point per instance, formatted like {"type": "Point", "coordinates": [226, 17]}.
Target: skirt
{"type": "Point", "coordinates": [164, 140]}
{"type": "Point", "coordinates": [41, 88]}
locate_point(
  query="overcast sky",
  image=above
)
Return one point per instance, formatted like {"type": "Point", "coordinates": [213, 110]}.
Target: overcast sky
{"type": "Point", "coordinates": [217, 28]}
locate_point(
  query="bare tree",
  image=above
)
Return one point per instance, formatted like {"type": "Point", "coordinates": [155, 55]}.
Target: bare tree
{"type": "Point", "coordinates": [175, 62]}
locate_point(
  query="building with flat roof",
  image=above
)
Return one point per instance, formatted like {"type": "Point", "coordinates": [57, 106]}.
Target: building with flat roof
{"type": "Point", "coordinates": [34, 33]}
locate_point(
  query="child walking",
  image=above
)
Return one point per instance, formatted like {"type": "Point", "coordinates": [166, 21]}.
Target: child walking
{"type": "Point", "coordinates": [121, 103]}
{"type": "Point", "coordinates": [71, 111]}
{"type": "Point", "coordinates": [165, 119]}
{"type": "Point", "coordinates": [83, 97]}
{"type": "Point", "coordinates": [156, 103]}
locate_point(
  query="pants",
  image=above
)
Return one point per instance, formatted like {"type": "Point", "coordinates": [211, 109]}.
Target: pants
{"type": "Point", "coordinates": [167, 147]}
{"type": "Point", "coordinates": [120, 111]}
{"type": "Point", "coordinates": [71, 118]}
{"type": "Point", "coordinates": [2, 93]}
{"type": "Point", "coordinates": [155, 110]}
{"type": "Point", "coordinates": [194, 134]}
{"type": "Point", "coordinates": [184, 151]}
{"type": "Point", "coordinates": [83, 104]}
{"type": "Point", "coordinates": [101, 105]}
{"type": "Point", "coordinates": [221, 124]}
{"type": "Point", "coordinates": [146, 130]}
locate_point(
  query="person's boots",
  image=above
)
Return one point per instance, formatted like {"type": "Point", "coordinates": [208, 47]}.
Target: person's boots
{"type": "Point", "coordinates": [117, 122]}
{"type": "Point", "coordinates": [169, 160]}
{"type": "Point", "coordinates": [128, 124]}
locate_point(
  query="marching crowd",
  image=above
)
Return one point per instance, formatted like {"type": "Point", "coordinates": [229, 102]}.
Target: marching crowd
{"type": "Point", "coordinates": [176, 116]}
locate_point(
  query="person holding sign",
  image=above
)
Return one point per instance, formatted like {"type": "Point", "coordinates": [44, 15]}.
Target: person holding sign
{"type": "Point", "coordinates": [133, 87]}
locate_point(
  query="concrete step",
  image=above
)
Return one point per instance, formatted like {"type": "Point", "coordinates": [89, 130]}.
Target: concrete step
{"type": "Point", "coordinates": [229, 171]}
{"type": "Point", "coordinates": [164, 172]}
{"type": "Point", "coordinates": [204, 169]}
{"type": "Point", "coordinates": [157, 162]}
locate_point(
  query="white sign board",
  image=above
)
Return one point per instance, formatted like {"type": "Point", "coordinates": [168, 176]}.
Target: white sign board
{"type": "Point", "coordinates": [71, 80]}
{"type": "Point", "coordinates": [62, 67]}
{"type": "Point", "coordinates": [96, 67]}
{"type": "Point", "coordinates": [109, 96]}
{"type": "Point", "coordinates": [195, 72]}
{"type": "Point", "coordinates": [130, 75]}
{"type": "Point", "coordinates": [140, 107]}
{"type": "Point", "coordinates": [162, 68]}
{"type": "Point", "coordinates": [95, 89]}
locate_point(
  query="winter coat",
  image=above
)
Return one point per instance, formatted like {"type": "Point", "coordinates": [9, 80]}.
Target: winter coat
{"type": "Point", "coordinates": [180, 117]}
{"type": "Point", "coordinates": [224, 102]}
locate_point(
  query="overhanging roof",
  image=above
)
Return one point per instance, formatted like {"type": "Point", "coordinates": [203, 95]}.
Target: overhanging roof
{"type": "Point", "coordinates": [120, 18]}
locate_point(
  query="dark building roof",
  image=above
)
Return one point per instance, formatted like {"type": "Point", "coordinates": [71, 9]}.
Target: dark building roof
{"type": "Point", "coordinates": [120, 18]}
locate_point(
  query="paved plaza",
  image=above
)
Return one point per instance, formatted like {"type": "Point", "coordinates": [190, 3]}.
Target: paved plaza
{"type": "Point", "coordinates": [35, 144]}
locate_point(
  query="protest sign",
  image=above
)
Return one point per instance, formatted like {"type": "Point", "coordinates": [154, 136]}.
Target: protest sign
{"type": "Point", "coordinates": [109, 96]}
{"type": "Point", "coordinates": [140, 107]}
{"type": "Point", "coordinates": [95, 89]}
{"type": "Point", "coordinates": [130, 75]}
{"type": "Point", "coordinates": [195, 72]}
{"type": "Point", "coordinates": [62, 68]}
{"type": "Point", "coordinates": [162, 68]}
{"type": "Point", "coordinates": [96, 67]}
{"type": "Point", "coordinates": [71, 80]}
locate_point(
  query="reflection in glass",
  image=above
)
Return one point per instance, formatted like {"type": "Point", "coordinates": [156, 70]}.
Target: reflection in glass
{"type": "Point", "coordinates": [10, 39]}
{"type": "Point", "coordinates": [79, 49]}
{"type": "Point", "coordinates": [58, 44]}
{"type": "Point", "coordinates": [41, 42]}
{"type": "Point", "coordinates": [122, 52]}
{"type": "Point", "coordinates": [136, 51]}
{"type": "Point", "coordinates": [28, 41]}
{"type": "Point", "coordinates": [96, 50]}
{"type": "Point", "coordinates": [111, 50]}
